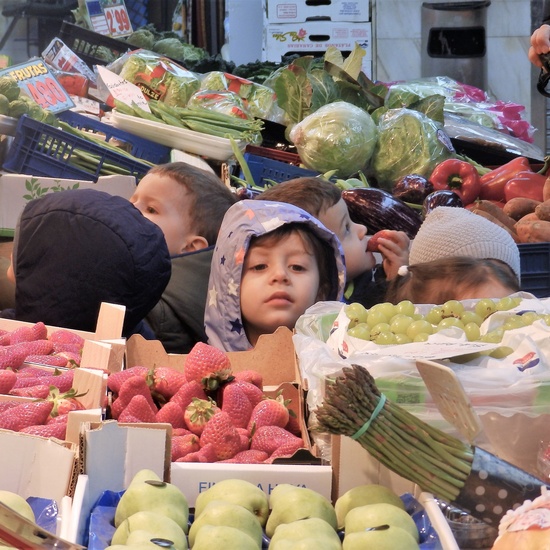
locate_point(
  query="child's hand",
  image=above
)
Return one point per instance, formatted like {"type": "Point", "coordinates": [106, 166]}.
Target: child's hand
{"type": "Point", "coordinates": [394, 247]}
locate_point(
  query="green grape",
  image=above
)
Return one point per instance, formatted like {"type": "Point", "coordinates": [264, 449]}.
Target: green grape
{"type": "Point", "coordinates": [472, 331]}
{"type": "Point", "coordinates": [501, 352]}
{"type": "Point", "coordinates": [506, 303]}
{"type": "Point", "coordinates": [357, 313]}
{"type": "Point", "coordinates": [452, 308]}
{"type": "Point", "coordinates": [434, 315]}
{"type": "Point", "coordinates": [400, 324]}
{"type": "Point", "coordinates": [385, 308]}
{"type": "Point", "coordinates": [530, 317]}
{"type": "Point", "coordinates": [471, 317]}
{"type": "Point", "coordinates": [421, 326]}
{"type": "Point", "coordinates": [546, 319]}
{"type": "Point", "coordinates": [402, 339]}
{"type": "Point", "coordinates": [376, 317]}
{"type": "Point", "coordinates": [485, 307]}
{"type": "Point", "coordinates": [377, 329]}
{"type": "Point", "coordinates": [512, 322]}
{"type": "Point", "coordinates": [494, 336]}
{"type": "Point", "coordinates": [385, 338]}
{"type": "Point", "coordinates": [362, 330]}
{"type": "Point", "coordinates": [421, 337]}
{"type": "Point", "coordinates": [406, 307]}
{"type": "Point", "coordinates": [449, 322]}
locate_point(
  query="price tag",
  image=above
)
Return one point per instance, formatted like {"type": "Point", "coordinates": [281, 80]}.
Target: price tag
{"type": "Point", "coordinates": [109, 17]}
{"type": "Point", "coordinates": [36, 80]}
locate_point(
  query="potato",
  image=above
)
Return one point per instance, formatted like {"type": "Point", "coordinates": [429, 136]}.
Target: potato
{"type": "Point", "coordinates": [533, 231]}
{"type": "Point", "coordinates": [495, 211]}
{"type": "Point", "coordinates": [518, 207]}
{"type": "Point", "coordinates": [543, 211]}
{"type": "Point", "coordinates": [487, 216]}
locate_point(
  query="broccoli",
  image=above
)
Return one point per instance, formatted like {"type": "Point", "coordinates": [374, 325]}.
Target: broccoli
{"type": "Point", "coordinates": [172, 47]}
{"type": "Point", "coordinates": [142, 38]}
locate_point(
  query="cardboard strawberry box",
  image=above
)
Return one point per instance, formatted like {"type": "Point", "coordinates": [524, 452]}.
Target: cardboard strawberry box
{"type": "Point", "coordinates": [274, 357]}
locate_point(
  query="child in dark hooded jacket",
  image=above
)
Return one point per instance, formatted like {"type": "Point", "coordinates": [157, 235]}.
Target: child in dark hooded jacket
{"type": "Point", "coordinates": [75, 249]}
{"type": "Point", "coordinates": [272, 261]}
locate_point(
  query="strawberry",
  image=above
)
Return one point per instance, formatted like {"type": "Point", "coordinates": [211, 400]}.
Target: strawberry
{"type": "Point", "coordinates": [270, 438]}
{"type": "Point", "coordinates": [65, 402]}
{"type": "Point", "coordinates": [11, 357]}
{"type": "Point", "coordinates": [254, 394]}
{"type": "Point", "coordinates": [293, 424]}
{"type": "Point", "coordinates": [198, 413]}
{"type": "Point", "coordinates": [236, 404]}
{"type": "Point", "coordinates": [40, 331]}
{"type": "Point", "coordinates": [207, 365]}
{"type": "Point", "coordinates": [25, 415]}
{"type": "Point", "coordinates": [136, 385]}
{"type": "Point", "coordinates": [245, 438]}
{"type": "Point", "coordinates": [180, 431]}
{"type": "Point", "coordinates": [21, 334]}
{"type": "Point", "coordinates": [171, 413]}
{"type": "Point", "coordinates": [59, 419]}
{"type": "Point", "coordinates": [270, 412]}
{"type": "Point", "coordinates": [72, 358]}
{"type": "Point", "coordinates": [50, 360]}
{"type": "Point", "coordinates": [220, 432]}
{"type": "Point", "coordinates": [183, 445]}
{"type": "Point", "coordinates": [250, 376]}
{"type": "Point", "coordinates": [286, 450]}
{"type": "Point", "coordinates": [138, 409]}
{"type": "Point", "coordinates": [116, 379]}
{"type": "Point", "coordinates": [186, 393]}
{"type": "Point", "coordinates": [59, 430]}
{"type": "Point", "coordinates": [206, 454]}
{"type": "Point", "coordinates": [63, 337]}
{"type": "Point", "coordinates": [5, 405]}
{"type": "Point", "coordinates": [249, 456]}
{"type": "Point", "coordinates": [36, 347]}
{"type": "Point", "coordinates": [39, 391]}
{"type": "Point", "coordinates": [165, 381]}
{"type": "Point", "coordinates": [7, 380]}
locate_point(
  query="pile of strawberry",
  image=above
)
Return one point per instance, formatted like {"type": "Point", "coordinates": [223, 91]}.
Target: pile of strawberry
{"type": "Point", "coordinates": [50, 388]}
{"type": "Point", "coordinates": [216, 415]}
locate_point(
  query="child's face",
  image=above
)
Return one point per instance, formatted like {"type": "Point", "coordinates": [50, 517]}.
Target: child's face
{"type": "Point", "coordinates": [352, 237]}
{"type": "Point", "coordinates": [164, 201]}
{"type": "Point", "coordinates": [279, 282]}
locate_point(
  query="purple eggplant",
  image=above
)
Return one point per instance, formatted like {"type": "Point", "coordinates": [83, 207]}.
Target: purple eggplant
{"type": "Point", "coordinates": [378, 209]}
{"type": "Point", "coordinates": [412, 188]}
{"type": "Point", "coordinates": [443, 197]}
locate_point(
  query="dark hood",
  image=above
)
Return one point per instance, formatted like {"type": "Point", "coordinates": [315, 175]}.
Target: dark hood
{"type": "Point", "coordinates": [75, 249]}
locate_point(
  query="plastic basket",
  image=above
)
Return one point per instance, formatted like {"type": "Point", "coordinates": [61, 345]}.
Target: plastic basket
{"type": "Point", "coordinates": [42, 150]}
{"type": "Point", "coordinates": [86, 44]}
{"type": "Point", "coordinates": [265, 170]}
{"type": "Point", "coordinates": [535, 268]}
{"type": "Point", "coordinates": [139, 147]}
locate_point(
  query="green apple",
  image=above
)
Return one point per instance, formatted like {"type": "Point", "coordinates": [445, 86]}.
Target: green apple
{"type": "Point", "coordinates": [224, 537]}
{"type": "Point", "coordinates": [238, 491]}
{"type": "Point", "coordinates": [18, 504]}
{"type": "Point", "coordinates": [305, 533]}
{"type": "Point", "coordinates": [364, 494]}
{"type": "Point", "coordinates": [290, 503]}
{"type": "Point", "coordinates": [145, 475]}
{"type": "Point", "coordinates": [375, 515]}
{"type": "Point", "coordinates": [391, 539]}
{"type": "Point", "coordinates": [146, 538]}
{"type": "Point", "coordinates": [222, 512]}
{"type": "Point", "coordinates": [153, 496]}
{"type": "Point", "coordinates": [159, 525]}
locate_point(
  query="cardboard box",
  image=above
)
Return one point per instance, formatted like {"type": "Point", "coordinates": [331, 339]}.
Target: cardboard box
{"type": "Point", "coordinates": [37, 467]}
{"type": "Point", "coordinates": [110, 454]}
{"type": "Point", "coordinates": [243, 26]}
{"type": "Point", "coordinates": [274, 356]}
{"type": "Point", "coordinates": [300, 11]}
{"type": "Point", "coordinates": [18, 189]}
{"type": "Point", "coordinates": [314, 38]}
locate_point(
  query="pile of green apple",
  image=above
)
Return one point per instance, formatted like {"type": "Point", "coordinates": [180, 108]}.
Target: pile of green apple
{"type": "Point", "coordinates": [18, 504]}
{"type": "Point", "coordinates": [234, 514]}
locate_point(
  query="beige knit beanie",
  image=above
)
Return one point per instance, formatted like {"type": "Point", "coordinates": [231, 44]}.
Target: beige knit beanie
{"type": "Point", "coordinates": [451, 231]}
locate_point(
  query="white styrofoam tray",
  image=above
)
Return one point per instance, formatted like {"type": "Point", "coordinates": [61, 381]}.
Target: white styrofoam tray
{"type": "Point", "coordinates": [179, 138]}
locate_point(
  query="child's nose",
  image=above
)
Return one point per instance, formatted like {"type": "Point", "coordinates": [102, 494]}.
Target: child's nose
{"type": "Point", "coordinates": [361, 230]}
{"type": "Point", "coordinates": [279, 273]}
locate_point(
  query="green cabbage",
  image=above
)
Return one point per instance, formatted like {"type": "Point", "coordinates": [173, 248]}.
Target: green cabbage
{"type": "Point", "coordinates": [409, 142]}
{"type": "Point", "coordinates": [338, 136]}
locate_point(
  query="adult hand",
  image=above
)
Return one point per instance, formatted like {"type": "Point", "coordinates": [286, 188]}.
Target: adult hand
{"type": "Point", "coordinates": [540, 43]}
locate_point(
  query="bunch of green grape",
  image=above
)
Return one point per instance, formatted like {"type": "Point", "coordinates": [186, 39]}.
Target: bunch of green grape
{"type": "Point", "coordinates": [392, 324]}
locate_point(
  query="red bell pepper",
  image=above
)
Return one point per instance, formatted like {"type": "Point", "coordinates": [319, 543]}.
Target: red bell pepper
{"type": "Point", "coordinates": [493, 182]}
{"type": "Point", "coordinates": [458, 176]}
{"type": "Point", "coordinates": [526, 184]}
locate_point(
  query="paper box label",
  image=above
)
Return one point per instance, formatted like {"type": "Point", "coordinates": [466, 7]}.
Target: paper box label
{"type": "Point", "coordinates": [300, 11]}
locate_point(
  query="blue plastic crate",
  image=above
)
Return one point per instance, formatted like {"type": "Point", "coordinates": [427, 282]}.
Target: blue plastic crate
{"type": "Point", "coordinates": [39, 149]}
{"type": "Point", "coordinates": [265, 170]}
{"type": "Point", "coordinates": [140, 147]}
{"type": "Point", "coordinates": [535, 268]}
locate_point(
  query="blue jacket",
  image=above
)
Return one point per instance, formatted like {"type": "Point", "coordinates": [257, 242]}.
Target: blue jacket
{"type": "Point", "coordinates": [244, 220]}
{"type": "Point", "coordinates": [75, 249]}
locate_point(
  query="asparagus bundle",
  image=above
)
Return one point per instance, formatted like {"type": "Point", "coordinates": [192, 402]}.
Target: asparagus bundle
{"type": "Point", "coordinates": [353, 406]}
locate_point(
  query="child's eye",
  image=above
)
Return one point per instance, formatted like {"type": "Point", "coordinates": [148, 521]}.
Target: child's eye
{"type": "Point", "coordinates": [347, 227]}
{"type": "Point", "coordinates": [297, 267]}
{"type": "Point", "coordinates": [258, 267]}
{"type": "Point", "coordinates": [151, 210]}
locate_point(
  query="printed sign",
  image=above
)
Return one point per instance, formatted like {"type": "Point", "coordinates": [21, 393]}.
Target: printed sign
{"type": "Point", "coordinates": [36, 80]}
{"type": "Point", "coordinates": [109, 17]}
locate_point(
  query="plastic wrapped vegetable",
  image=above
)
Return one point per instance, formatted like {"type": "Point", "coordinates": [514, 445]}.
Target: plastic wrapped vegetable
{"type": "Point", "coordinates": [221, 102]}
{"type": "Point", "coordinates": [409, 142]}
{"type": "Point", "coordinates": [338, 136]}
